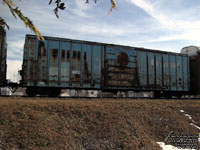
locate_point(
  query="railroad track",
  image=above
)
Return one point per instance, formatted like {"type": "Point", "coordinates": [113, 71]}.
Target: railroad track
{"type": "Point", "coordinates": [95, 98]}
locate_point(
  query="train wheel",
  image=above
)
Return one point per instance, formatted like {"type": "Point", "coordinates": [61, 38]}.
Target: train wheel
{"type": "Point", "coordinates": [167, 95]}
{"type": "Point", "coordinates": [30, 92]}
{"type": "Point", "coordinates": [157, 94]}
{"type": "Point", "coordinates": [55, 92]}
{"type": "Point", "coordinates": [179, 96]}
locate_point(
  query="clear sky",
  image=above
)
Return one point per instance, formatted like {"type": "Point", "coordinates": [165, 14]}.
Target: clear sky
{"type": "Point", "coordinates": [167, 25]}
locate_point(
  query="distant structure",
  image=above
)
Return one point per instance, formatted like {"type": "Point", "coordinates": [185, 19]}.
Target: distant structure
{"type": "Point", "coordinates": [5, 91]}
{"type": "Point", "coordinates": [190, 50]}
{"type": "Point", "coordinates": [19, 92]}
{"type": "Point", "coordinates": [79, 93]}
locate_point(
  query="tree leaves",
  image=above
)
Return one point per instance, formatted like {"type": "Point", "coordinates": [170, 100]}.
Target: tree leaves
{"type": "Point", "coordinates": [3, 24]}
{"type": "Point", "coordinates": [87, 1]}
{"type": "Point", "coordinates": [28, 23]}
{"type": "Point", "coordinates": [113, 6]}
{"type": "Point", "coordinates": [59, 5]}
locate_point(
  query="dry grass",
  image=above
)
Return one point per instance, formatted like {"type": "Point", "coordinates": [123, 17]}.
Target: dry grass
{"type": "Point", "coordinates": [92, 124]}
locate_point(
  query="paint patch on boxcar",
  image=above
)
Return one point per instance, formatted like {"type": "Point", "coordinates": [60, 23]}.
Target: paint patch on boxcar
{"type": "Point", "coordinates": [122, 59]}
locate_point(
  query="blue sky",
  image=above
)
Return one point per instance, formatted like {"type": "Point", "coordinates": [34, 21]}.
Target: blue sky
{"type": "Point", "coordinates": [167, 25]}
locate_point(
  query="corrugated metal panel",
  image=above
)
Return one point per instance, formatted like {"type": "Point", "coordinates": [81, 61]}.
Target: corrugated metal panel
{"type": "Point", "coordinates": [31, 49]}
{"type": "Point", "coordinates": [142, 67]}
{"type": "Point", "coordinates": [65, 63]}
{"type": "Point", "coordinates": [162, 71]}
{"type": "Point", "coordinates": [96, 61]}
{"type": "Point", "coordinates": [86, 65]}
{"type": "Point", "coordinates": [179, 75]}
{"type": "Point", "coordinates": [172, 60]}
{"type": "Point", "coordinates": [151, 69]}
{"type": "Point", "coordinates": [76, 64]}
{"type": "Point", "coordinates": [166, 75]}
{"type": "Point", "coordinates": [53, 62]}
{"type": "Point", "coordinates": [158, 70]}
{"type": "Point", "coordinates": [42, 63]}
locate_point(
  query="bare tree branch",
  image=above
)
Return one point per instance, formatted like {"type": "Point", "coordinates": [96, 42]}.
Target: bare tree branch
{"type": "Point", "coordinates": [113, 6]}
{"type": "Point", "coordinates": [3, 23]}
{"type": "Point", "coordinates": [28, 23]}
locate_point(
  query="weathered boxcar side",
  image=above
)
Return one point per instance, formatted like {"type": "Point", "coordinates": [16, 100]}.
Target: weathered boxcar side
{"type": "Point", "coordinates": [194, 64]}
{"type": "Point", "coordinates": [139, 69]}
{"type": "Point", "coordinates": [165, 72]}
{"type": "Point", "coordinates": [57, 63]}
{"type": "Point", "coordinates": [3, 57]}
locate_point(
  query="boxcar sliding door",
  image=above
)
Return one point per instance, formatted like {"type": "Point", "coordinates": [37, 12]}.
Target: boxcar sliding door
{"type": "Point", "coordinates": [120, 67]}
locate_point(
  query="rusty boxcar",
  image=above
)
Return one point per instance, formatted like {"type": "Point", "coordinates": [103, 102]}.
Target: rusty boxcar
{"type": "Point", "coordinates": [194, 64]}
{"type": "Point", "coordinates": [57, 63]}
{"type": "Point", "coordinates": [3, 57]}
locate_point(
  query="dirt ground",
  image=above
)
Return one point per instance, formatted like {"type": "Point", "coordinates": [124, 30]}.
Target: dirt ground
{"type": "Point", "coordinates": [93, 124]}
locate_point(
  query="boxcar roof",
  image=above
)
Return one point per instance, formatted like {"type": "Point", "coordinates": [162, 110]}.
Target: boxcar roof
{"type": "Point", "coordinates": [105, 44]}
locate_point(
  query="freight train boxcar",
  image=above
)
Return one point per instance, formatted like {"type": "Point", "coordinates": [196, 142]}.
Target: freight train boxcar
{"type": "Point", "coordinates": [3, 57]}
{"type": "Point", "coordinates": [194, 63]}
{"type": "Point", "coordinates": [58, 63]}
